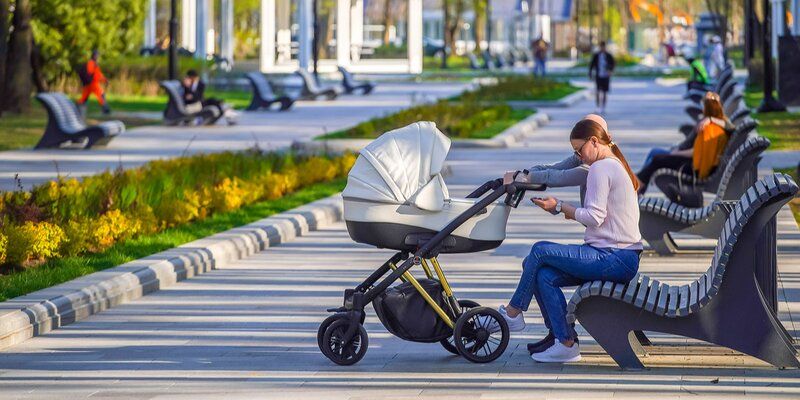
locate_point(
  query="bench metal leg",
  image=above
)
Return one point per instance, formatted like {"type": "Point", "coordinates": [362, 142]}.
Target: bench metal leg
{"type": "Point", "coordinates": [611, 332]}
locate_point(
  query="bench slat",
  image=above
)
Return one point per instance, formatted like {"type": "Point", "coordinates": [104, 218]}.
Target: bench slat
{"type": "Point", "coordinates": [672, 308]}
{"type": "Point", "coordinates": [642, 292]}
{"type": "Point", "coordinates": [594, 288]}
{"type": "Point", "coordinates": [694, 304]}
{"type": "Point", "coordinates": [662, 299]}
{"type": "Point", "coordinates": [619, 290]}
{"type": "Point", "coordinates": [652, 295]}
{"type": "Point", "coordinates": [606, 290]}
{"type": "Point", "coordinates": [683, 302]}
{"type": "Point", "coordinates": [630, 292]}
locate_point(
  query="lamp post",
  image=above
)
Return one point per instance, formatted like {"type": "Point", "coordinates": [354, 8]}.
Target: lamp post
{"type": "Point", "coordinates": [489, 26]}
{"type": "Point", "coordinates": [315, 39]}
{"type": "Point", "coordinates": [769, 103]}
{"type": "Point", "coordinates": [173, 37]}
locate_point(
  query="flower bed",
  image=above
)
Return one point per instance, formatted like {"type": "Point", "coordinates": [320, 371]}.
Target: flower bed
{"type": "Point", "coordinates": [69, 217]}
{"type": "Point", "coordinates": [520, 88]}
{"type": "Point", "coordinates": [457, 119]}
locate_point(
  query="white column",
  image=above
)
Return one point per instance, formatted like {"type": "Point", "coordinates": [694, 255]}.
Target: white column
{"type": "Point", "coordinates": [414, 36]}
{"type": "Point", "coordinates": [201, 36]}
{"type": "Point", "coordinates": [356, 29]}
{"type": "Point", "coordinates": [306, 27]}
{"type": "Point", "coordinates": [343, 32]}
{"type": "Point", "coordinates": [795, 7]}
{"type": "Point", "coordinates": [267, 51]}
{"type": "Point", "coordinates": [226, 41]}
{"type": "Point", "coordinates": [778, 14]}
{"type": "Point", "coordinates": [150, 25]}
{"type": "Point", "coordinates": [189, 24]}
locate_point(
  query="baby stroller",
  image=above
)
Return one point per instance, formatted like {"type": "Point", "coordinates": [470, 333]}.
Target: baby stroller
{"type": "Point", "coordinates": [396, 199]}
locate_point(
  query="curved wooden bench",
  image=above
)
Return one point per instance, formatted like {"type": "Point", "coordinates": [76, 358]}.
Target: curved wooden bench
{"type": "Point", "coordinates": [659, 217]}
{"type": "Point", "coordinates": [311, 90]}
{"type": "Point", "coordinates": [351, 85]}
{"type": "Point", "coordinates": [667, 178]}
{"type": "Point", "coordinates": [176, 112]}
{"type": "Point", "coordinates": [263, 96]}
{"type": "Point", "coordinates": [724, 306]}
{"type": "Point", "coordinates": [65, 124]}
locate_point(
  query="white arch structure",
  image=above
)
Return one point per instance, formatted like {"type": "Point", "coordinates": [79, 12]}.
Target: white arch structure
{"type": "Point", "coordinates": [197, 35]}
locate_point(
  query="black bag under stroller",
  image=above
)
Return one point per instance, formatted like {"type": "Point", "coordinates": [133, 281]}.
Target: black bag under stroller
{"type": "Point", "coordinates": [406, 314]}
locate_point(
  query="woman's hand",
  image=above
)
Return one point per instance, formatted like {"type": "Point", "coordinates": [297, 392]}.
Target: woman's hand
{"type": "Point", "coordinates": [546, 203]}
{"type": "Point", "coordinates": [508, 177]}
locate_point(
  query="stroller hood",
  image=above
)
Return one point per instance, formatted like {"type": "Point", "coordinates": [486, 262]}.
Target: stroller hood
{"type": "Point", "coordinates": [402, 166]}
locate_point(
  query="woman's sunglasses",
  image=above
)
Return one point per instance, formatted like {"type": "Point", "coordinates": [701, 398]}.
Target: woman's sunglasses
{"type": "Point", "coordinates": [578, 152]}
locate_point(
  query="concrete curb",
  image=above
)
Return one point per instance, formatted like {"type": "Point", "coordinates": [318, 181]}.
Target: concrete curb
{"type": "Point", "coordinates": [40, 312]}
{"type": "Point", "coordinates": [508, 137]}
{"type": "Point", "coordinates": [566, 101]}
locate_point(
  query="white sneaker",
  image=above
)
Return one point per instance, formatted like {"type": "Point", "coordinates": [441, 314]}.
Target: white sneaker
{"type": "Point", "coordinates": [558, 353]}
{"type": "Point", "coordinates": [515, 324]}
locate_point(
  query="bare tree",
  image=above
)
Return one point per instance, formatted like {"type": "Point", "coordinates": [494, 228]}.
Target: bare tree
{"type": "Point", "coordinates": [453, 20]}
{"type": "Point", "coordinates": [388, 21]}
{"type": "Point", "coordinates": [479, 25]}
{"type": "Point", "coordinates": [18, 82]}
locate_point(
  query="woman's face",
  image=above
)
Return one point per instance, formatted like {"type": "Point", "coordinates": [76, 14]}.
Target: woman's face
{"type": "Point", "coordinates": [586, 150]}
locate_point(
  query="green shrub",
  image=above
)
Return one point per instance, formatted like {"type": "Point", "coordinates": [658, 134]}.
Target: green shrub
{"type": "Point", "coordinates": [70, 217]}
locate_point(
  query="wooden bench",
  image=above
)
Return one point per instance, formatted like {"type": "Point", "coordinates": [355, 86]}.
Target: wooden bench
{"type": "Point", "coordinates": [473, 61]}
{"type": "Point", "coordinates": [659, 217]}
{"type": "Point", "coordinates": [311, 90]}
{"type": "Point", "coordinates": [696, 95]}
{"type": "Point", "coordinates": [176, 112]}
{"type": "Point", "coordinates": [668, 179]}
{"type": "Point", "coordinates": [263, 96]}
{"type": "Point", "coordinates": [350, 85]}
{"type": "Point", "coordinates": [724, 306]}
{"type": "Point", "coordinates": [488, 61]}
{"type": "Point", "coordinates": [65, 124]}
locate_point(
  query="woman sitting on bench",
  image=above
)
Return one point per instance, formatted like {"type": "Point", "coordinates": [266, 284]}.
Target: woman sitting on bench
{"type": "Point", "coordinates": [610, 252]}
{"type": "Point", "coordinates": [700, 151]}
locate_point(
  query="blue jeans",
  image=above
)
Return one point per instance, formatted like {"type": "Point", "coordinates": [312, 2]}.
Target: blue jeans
{"type": "Point", "coordinates": [539, 67]}
{"type": "Point", "coordinates": [653, 152]}
{"type": "Point", "coordinates": [551, 266]}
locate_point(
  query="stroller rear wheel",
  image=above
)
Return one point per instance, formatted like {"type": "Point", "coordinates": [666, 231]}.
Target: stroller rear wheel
{"type": "Point", "coordinates": [337, 349]}
{"type": "Point", "coordinates": [449, 343]}
{"type": "Point", "coordinates": [481, 335]}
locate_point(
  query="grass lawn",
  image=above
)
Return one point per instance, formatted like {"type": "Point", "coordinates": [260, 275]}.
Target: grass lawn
{"type": "Point", "coordinates": [24, 130]}
{"type": "Point", "coordinates": [520, 88]}
{"type": "Point", "coordinates": [794, 204]}
{"type": "Point", "coordinates": [781, 128]}
{"type": "Point", "coordinates": [58, 271]}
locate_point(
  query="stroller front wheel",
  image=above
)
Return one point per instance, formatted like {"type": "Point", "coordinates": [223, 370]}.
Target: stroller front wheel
{"type": "Point", "coordinates": [481, 335]}
{"type": "Point", "coordinates": [338, 349]}
{"type": "Point", "coordinates": [449, 343]}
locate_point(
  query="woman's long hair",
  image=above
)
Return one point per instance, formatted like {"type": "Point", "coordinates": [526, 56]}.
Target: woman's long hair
{"type": "Point", "coordinates": [712, 106]}
{"type": "Point", "coordinates": [587, 128]}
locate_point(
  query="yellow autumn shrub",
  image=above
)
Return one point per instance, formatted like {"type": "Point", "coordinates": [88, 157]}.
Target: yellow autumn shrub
{"type": "Point", "coordinates": [227, 195]}
{"type": "Point", "coordinates": [3, 247]}
{"type": "Point", "coordinates": [111, 227]}
{"type": "Point", "coordinates": [174, 211]}
{"type": "Point", "coordinates": [32, 241]}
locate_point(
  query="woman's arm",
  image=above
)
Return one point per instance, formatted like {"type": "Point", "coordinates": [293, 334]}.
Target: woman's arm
{"type": "Point", "coordinates": [595, 209]}
{"type": "Point", "coordinates": [570, 162]}
{"type": "Point", "coordinates": [567, 172]}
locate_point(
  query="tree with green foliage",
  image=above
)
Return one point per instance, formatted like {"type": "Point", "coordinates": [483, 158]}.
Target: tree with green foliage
{"type": "Point", "coordinates": [5, 18]}
{"type": "Point", "coordinates": [67, 32]}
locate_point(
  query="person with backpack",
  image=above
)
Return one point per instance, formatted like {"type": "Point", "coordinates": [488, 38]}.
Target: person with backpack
{"type": "Point", "coordinates": [600, 69]}
{"type": "Point", "coordinates": [92, 78]}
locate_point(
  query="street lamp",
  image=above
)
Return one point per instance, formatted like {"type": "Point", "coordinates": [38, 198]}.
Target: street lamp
{"type": "Point", "coordinates": [769, 103]}
{"type": "Point", "coordinates": [315, 39]}
{"type": "Point", "coordinates": [173, 34]}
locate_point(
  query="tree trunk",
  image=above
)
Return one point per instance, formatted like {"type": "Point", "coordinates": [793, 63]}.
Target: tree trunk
{"type": "Point", "coordinates": [36, 65]}
{"type": "Point", "coordinates": [445, 24]}
{"type": "Point", "coordinates": [479, 25]}
{"type": "Point", "coordinates": [388, 21]}
{"type": "Point", "coordinates": [19, 84]}
{"type": "Point", "coordinates": [4, 17]}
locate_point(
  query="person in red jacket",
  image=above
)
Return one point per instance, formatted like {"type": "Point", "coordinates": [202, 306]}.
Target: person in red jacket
{"type": "Point", "coordinates": [92, 79]}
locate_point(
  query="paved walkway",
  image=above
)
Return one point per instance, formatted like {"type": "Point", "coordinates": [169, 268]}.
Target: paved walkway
{"type": "Point", "coordinates": [269, 129]}
{"type": "Point", "coordinates": [249, 330]}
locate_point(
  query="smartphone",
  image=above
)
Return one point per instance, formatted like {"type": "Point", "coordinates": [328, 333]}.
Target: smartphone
{"type": "Point", "coordinates": [537, 198]}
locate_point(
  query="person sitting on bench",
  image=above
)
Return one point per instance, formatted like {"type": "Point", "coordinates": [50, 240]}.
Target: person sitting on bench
{"type": "Point", "coordinates": [194, 96]}
{"type": "Point", "coordinates": [612, 241]}
{"type": "Point", "coordinates": [701, 150]}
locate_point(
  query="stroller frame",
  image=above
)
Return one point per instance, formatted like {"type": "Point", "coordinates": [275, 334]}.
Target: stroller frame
{"type": "Point", "coordinates": [348, 320]}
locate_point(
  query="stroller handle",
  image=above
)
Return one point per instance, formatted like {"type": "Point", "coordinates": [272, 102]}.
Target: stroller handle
{"type": "Point", "coordinates": [514, 190]}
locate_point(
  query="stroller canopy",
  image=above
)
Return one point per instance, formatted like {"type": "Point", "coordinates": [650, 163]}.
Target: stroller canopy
{"type": "Point", "coordinates": [402, 166]}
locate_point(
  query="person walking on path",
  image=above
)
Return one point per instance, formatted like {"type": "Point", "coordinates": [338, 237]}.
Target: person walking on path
{"type": "Point", "coordinates": [612, 242]}
{"type": "Point", "coordinates": [717, 58]}
{"type": "Point", "coordinates": [600, 69]}
{"type": "Point", "coordinates": [540, 47]}
{"type": "Point", "coordinates": [92, 79]}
